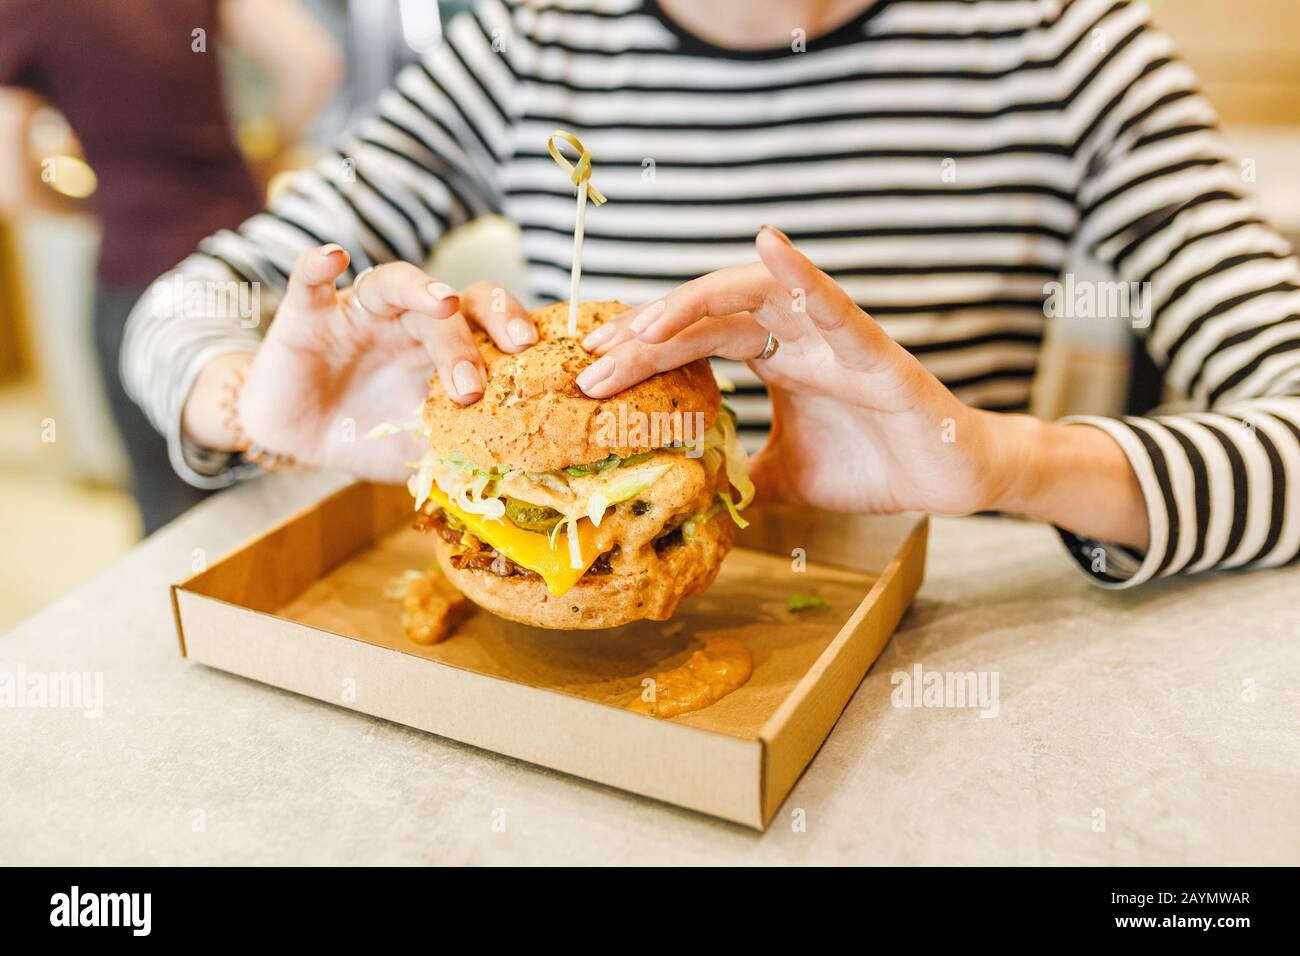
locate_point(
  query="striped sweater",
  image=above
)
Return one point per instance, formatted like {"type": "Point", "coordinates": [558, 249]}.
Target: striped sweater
{"type": "Point", "coordinates": [937, 157]}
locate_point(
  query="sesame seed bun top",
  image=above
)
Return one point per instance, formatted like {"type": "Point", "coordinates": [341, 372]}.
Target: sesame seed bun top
{"type": "Point", "coordinates": [533, 416]}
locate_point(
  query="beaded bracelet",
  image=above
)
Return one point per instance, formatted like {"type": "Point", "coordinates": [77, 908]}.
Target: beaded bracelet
{"type": "Point", "coordinates": [251, 452]}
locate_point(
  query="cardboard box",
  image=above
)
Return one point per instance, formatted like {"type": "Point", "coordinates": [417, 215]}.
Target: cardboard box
{"type": "Point", "coordinates": [302, 607]}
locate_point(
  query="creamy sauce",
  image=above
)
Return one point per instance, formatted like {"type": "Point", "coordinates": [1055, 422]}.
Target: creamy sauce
{"type": "Point", "coordinates": [688, 486]}
{"type": "Point", "coordinates": [432, 607]}
{"type": "Point", "coordinates": [680, 484]}
{"type": "Point", "coordinates": [722, 666]}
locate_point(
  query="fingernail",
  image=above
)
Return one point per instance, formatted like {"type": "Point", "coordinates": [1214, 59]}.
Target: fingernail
{"type": "Point", "coordinates": [466, 378]}
{"type": "Point", "coordinates": [600, 336]}
{"type": "Point", "coordinates": [330, 248]}
{"type": "Point", "coordinates": [595, 373]}
{"type": "Point", "coordinates": [440, 290]}
{"type": "Point", "coordinates": [779, 234]}
{"type": "Point", "coordinates": [520, 332]}
{"type": "Point", "coordinates": [647, 316]}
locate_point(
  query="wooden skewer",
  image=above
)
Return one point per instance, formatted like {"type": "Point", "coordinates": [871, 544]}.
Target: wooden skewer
{"type": "Point", "coordinates": [580, 174]}
{"type": "Point", "coordinates": [575, 274]}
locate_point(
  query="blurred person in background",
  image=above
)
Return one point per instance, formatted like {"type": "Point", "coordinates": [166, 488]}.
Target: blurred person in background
{"type": "Point", "coordinates": [937, 160]}
{"type": "Point", "coordinates": [140, 83]}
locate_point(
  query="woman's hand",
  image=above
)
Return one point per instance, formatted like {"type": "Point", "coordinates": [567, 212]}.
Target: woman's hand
{"type": "Point", "coordinates": [334, 363]}
{"type": "Point", "coordinates": [858, 423]}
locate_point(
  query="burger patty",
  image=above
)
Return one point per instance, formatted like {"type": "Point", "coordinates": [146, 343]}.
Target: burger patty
{"type": "Point", "coordinates": [669, 540]}
{"type": "Point", "coordinates": [482, 557]}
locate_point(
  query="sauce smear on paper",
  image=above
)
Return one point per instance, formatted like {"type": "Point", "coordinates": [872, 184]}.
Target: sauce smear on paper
{"type": "Point", "coordinates": [432, 607]}
{"type": "Point", "coordinates": [723, 665]}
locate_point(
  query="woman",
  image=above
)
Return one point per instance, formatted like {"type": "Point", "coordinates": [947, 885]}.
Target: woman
{"type": "Point", "coordinates": [935, 158]}
{"type": "Point", "coordinates": [140, 83]}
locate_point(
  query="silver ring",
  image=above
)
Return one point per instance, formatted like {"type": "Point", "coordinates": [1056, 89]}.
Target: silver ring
{"type": "Point", "coordinates": [356, 283]}
{"type": "Point", "coordinates": [769, 348]}
{"type": "Point", "coordinates": [351, 300]}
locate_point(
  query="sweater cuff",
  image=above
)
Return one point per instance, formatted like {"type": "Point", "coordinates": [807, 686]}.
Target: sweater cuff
{"type": "Point", "coordinates": [1116, 566]}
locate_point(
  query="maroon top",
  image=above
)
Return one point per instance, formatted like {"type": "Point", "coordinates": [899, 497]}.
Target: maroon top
{"type": "Point", "coordinates": [149, 113]}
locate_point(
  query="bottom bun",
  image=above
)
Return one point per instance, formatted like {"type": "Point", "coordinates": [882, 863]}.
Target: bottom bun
{"type": "Point", "coordinates": [652, 591]}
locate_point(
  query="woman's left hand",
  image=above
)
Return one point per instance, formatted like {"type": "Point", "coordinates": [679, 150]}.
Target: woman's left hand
{"type": "Point", "coordinates": [858, 423]}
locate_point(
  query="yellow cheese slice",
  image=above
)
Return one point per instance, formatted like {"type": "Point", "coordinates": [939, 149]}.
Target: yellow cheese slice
{"type": "Point", "coordinates": [530, 549]}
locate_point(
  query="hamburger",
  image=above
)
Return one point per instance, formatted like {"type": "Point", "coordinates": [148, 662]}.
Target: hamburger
{"type": "Point", "coordinates": [557, 510]}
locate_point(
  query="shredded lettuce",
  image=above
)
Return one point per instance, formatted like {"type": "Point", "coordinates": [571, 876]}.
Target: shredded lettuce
{"type": "Point", "coordinates": [471, 492]}
{"type": "Point", "coordinates": [735, 512]}
{"type": "Point", "coordinates": [388, 429]}
{"type": "Point", "coordinates": [421, 483]}
{"type": "Point", "coordinates": [595, 509]}
{"type": "Point", "coordinates": [569, 525]}
{"type": "Point", "coordinates": [575, 546]}
{"type": "Point", "coordinates": [413, 425]}
{"type": "Point", "coordinates": [453, 460]}
{"type": "Point", "coordinates": [803, 602]}
{"type": "Point", "coordinates": [737, 463]}
{"type": "Point", "coordinates": [469, 497]}
{"type": "Point", "coordinates": [691, 526]}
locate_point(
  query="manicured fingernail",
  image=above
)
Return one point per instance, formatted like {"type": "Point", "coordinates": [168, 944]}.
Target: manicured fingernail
{"type": "Point", "coordinates": [595, 373]}
{"type": "Point", "coordinates": [647, 316]}
{"type": "Point", "coordinates": [520, 332]}
{"type": "Point", "coordinates": [600, 336]}
{"type": "Point", "coordinates": [329, 249]}
{"type": "Point", "coordinates": [440, 290]}
{"type": "Point", "coordinates": [779, 234]}
{"type": "Point", "coordinates": [466, 378]}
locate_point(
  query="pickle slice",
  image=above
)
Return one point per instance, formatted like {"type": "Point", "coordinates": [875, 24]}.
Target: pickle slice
{"type": "Point", "coordinates": [532, 517]}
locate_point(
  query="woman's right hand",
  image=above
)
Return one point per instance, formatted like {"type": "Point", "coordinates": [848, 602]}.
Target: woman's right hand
{"type": "Point", "coordinates": [859, 424]}
{"type": "Point", "coordinates": [335, 363]}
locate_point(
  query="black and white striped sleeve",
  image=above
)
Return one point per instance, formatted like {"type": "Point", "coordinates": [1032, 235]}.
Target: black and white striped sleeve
{"type": "Point", "coordinates": [1165, 205]}
{"type": "Point", "coordinates": [427, 160]}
